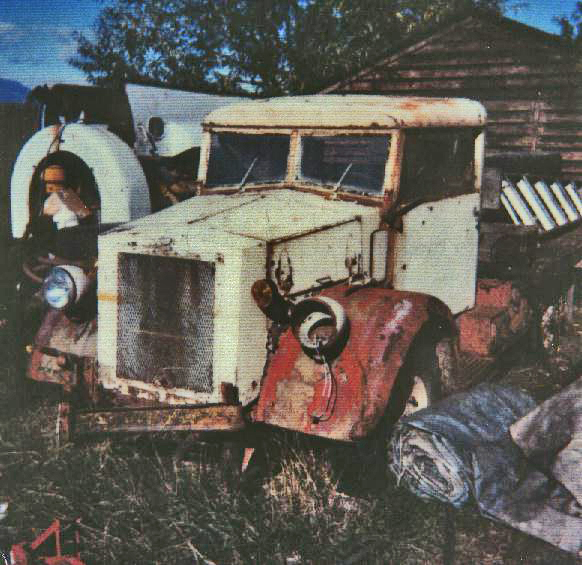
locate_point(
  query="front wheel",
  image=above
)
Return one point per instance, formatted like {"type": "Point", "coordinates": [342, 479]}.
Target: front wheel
{"type": "Point", "coordinates": [423, 378]}
{"type": "Point", "coordinates": [419, 383]}
{"type": "Point", "coordinates": [428, 373]}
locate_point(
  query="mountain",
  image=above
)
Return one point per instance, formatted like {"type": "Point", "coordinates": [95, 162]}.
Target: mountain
{"type": "Point", "coordinates": [12, 91]}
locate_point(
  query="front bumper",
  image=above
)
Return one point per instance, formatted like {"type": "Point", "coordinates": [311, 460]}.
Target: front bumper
{"type": "Point", "coordinates": [210, 418]}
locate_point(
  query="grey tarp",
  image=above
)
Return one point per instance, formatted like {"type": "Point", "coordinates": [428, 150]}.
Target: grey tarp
{"type": "Point", "coordinates": [461, 449]}
{"type": "Point", "coordinates": [551, 436]}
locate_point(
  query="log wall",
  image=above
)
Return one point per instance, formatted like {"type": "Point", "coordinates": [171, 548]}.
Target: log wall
{"type": "Point", "coordinates": [523, 76]}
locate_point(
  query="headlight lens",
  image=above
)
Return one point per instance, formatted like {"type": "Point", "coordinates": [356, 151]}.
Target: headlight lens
{"type": "Point", "coordinates": [59, 289]}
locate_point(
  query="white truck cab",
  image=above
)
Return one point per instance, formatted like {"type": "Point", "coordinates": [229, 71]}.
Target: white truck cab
{"type": "Point", "coordinates": [328, 233]}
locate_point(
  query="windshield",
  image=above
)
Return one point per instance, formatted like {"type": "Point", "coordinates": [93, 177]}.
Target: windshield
{"type": "Point", "coordinates": [238, 159]}
{"type": "Point", "coordinates": [350, 162]}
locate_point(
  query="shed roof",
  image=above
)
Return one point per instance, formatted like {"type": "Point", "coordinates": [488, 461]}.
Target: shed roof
{"type": "Point", "coordinates": [449, 27]}
{"type": "Point", "coordinates": [349, 111]}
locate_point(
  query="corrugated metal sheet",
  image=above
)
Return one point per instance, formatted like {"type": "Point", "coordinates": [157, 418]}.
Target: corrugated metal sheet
{"type": "Point", "coordinates": [524, 78]}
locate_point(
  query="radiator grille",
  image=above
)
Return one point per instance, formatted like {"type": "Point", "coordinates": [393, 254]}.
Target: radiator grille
{"type": "Point", "coordinates": [165, 321]}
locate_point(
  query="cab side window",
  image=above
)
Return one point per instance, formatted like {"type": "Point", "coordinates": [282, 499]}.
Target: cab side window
{"type": "Point", "coordinates": [437, 163]}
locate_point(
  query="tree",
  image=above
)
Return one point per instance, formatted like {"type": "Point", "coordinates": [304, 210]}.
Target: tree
{"type": "Point", "coordinates": [571, 26]}
{"type": "Point", "coordinates": [177, 42]}
{"type": "Point", "coordinates": [269, 47]}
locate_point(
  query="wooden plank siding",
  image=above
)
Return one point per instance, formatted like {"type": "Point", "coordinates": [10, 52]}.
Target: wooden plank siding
{"type": "Point", "coordinates": [523, 76]}
{"type": "Point", "coordinates": [17, 123]}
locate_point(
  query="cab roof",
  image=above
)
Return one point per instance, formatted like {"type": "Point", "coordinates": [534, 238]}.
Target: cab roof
{"type": "Point", "coordinates": [349, 111]}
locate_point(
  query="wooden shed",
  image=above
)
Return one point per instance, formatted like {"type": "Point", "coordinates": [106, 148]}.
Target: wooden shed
{"type": "Point", "coordinates": [525, 78]}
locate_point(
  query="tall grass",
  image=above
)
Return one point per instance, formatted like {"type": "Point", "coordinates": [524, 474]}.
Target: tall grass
{"type": "Point", "coordinates": [138, 503]}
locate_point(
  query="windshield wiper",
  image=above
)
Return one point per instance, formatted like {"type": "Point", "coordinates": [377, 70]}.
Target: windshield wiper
{"type": "Point", "coordinates": [246, 175]}
{"type": "Point", "coordinates": [338, 184]}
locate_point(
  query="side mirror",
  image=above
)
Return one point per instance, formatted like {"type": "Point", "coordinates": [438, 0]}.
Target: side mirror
{"type": "Point", "coordinates": [379, 255]}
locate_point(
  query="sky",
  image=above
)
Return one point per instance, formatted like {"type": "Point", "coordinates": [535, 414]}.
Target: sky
{"type": "Point", "coordinates": [36, 35]}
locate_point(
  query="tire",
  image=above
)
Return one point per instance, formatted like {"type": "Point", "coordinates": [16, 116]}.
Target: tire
{"type": "Point", "coordinates": [430, 365]}
{"type": "Point", "coordinates": [428, 374]}
{"type": "Point", "coordinates": [419, 379]}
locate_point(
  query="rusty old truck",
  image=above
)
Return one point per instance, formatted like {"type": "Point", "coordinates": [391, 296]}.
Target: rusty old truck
{"type": "Point", "coordinates": [326, 278]}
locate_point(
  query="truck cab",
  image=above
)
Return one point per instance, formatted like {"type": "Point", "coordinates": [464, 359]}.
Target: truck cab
{"type": "Point", "coordinates": [312, 283]}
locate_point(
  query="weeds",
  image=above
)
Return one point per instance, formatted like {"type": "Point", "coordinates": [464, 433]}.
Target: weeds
{"type": "Point", "coordinates": [139, 503]}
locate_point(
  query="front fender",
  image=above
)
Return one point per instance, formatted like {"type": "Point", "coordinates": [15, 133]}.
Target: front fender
{"type": "Point", "coordinates": [383, 324]}
{"type": "Point", "coordinates": [121, 182]}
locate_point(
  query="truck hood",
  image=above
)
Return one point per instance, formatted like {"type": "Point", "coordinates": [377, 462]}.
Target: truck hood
{"type": "Point", "coordinates": [206, 253]}
{"type": "Point", "coordinates": [269, 216]}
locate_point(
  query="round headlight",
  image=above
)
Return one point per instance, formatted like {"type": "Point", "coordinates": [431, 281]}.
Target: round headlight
{"type": "Point", "coordinates": [59, 289]}
{"type": "Point", "coordinates": [64, 286]}
{"type": "Point", "coordinates": [321, 326]}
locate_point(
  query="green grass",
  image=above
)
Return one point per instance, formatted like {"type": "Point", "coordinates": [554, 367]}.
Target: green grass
{"type": "Point", "coordinates": [137, 503]}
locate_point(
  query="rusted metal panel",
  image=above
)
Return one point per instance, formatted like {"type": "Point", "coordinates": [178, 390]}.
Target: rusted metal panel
{"type": "Point", "coordinates": [159, 419]}
{"type": "Point", "coordinates": [61, 349]}
{"type": "Point", "coordinates": [501, 316]}
{"type": "Point", "coordinates": [383, 324]}
{"type": "Point", "coordinates": [56, 368]}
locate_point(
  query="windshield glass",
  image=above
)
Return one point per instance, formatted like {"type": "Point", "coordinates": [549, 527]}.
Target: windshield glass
{"type": "Point", "coordinates": [237, 159]}
{"type": "Point", "coordinates": [350, 162]}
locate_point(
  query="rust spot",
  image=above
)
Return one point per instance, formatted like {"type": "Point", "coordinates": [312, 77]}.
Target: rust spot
{"type": "Point", "coordinates": [149, 419]}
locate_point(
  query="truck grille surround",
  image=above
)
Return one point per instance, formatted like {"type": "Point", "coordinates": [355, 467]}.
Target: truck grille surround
{"type": "Point", "coordinates": [166, 321]}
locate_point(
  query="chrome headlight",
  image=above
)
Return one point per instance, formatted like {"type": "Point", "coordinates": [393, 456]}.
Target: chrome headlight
{"type": "Point", "coordinates": [64, 286]}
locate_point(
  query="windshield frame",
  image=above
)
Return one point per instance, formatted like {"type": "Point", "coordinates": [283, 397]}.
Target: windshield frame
{"type": "Point", "coordinates": [340, 185]}
{"type": "Point", "coordinates": [293, 177]}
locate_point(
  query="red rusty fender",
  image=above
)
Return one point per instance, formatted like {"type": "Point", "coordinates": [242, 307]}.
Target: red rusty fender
{"type": "Point", "coordinates": [50, 366]}
{"type": "Point", "coordinates": [60, 347]}
{"type": "Point", "coordinates": [383, 323]}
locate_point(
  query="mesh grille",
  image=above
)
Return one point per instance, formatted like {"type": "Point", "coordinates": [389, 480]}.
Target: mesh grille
{"type": "Point", "coordinates": [165, 321]}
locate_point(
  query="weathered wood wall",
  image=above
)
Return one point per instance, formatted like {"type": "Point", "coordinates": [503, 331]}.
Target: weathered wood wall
{"type": "Point", "coordinates": [523, 76]}
{"type": "Point", "coordinates": [17, 123]}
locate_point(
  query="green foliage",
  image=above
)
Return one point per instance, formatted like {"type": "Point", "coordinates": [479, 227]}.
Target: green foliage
{"type": "Point", "coordinates": [571, 27]}
{"type": "Point", "coordinates": [178, 43]}
{"type": "Point", "coordinates": [265, 46]}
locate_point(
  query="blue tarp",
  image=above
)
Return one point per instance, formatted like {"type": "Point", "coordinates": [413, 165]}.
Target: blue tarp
{"type": "Point", "coordinates": [461, 449]}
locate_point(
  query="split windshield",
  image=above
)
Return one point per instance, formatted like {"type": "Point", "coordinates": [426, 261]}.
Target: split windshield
{"type": "Point", "coordinates": [348, 162]}
{"type": "Point", "coordinates": [239, 159]}
{"type": "Point", "coordinates": [352, 163]}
